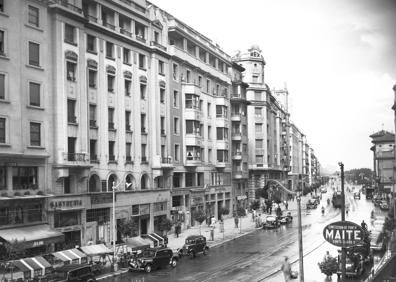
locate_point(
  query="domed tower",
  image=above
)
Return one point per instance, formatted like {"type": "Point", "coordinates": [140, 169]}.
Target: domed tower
{"type": "Point", "coordinates": [258, 116]}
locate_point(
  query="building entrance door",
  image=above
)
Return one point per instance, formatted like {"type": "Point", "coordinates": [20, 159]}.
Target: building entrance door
{"type": "Point", "coordinates": [143, 226]}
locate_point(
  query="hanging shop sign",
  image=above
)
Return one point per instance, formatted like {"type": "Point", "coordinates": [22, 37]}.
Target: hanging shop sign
{"type": "Point", "coordinates": [343, 234]}
{"type": "Point", "coordinates": [64, 204]}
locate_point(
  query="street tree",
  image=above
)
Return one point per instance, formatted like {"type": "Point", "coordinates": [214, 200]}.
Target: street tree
{"type": "Point", "coordinates": [165, 225]}
{"type": "Point", "coordinates": [12, 250]}
{"type": "Point", "coordinates": [328, 266]}
{"type": "Point", "coordinates": [127, 227]}
{"type": "Point", "coordinates": [200, 217]}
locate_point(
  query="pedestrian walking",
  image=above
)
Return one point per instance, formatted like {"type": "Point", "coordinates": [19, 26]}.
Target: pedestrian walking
{"type": "Point", "coordinates": [286, 205]}
{"type": "Point", "coordinates": [286, 269]}
{"type": "Point", "coordinates": [236, 221]}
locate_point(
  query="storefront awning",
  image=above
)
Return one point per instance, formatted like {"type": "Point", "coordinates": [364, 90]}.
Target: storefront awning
{"type": "Point", "coordinates": [158, 240]}
{"type": "Point", "coordinates": [137, 243]}
{"type": "Point", "coordinates": [71, 256]}
{"type": "Point", "coordinates": [35, 266]}
{"type": "Point", "coordinates": [32, 236]}
{"type": "Point", "coordinates": [95, 250]}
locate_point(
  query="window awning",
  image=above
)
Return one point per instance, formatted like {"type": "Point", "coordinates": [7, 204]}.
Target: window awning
{"type": "Point", "coordinates": [158, 240]}
{"type": "Point", "coordinates": [95, 250]}
{"type": "Point", "coordinates": [32, 236]}
{"type": "Point", "coordinates": [137, 243]}
{"type": "Point", "coordinates": [71, 256]}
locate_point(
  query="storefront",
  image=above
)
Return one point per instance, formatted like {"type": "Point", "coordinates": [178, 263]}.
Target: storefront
{"type": "Point", "coordinates": [197, 202]}
{"type": "Point", "coordinates": [218, 199]}
{"type": "Point", "coordinates": [66, 215]}
{"type": "Point", "coordinates": [36, 239]}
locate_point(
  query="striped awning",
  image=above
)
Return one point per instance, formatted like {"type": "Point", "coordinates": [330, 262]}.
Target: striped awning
{"type": "Point", "coordinates": [35, 266]}
{"type": "Point", "coordinates": [137, 243]}
{"type": "Point", "coordinates": [71, 256]}
{"type": "Point", "coordinates": [95, 250]}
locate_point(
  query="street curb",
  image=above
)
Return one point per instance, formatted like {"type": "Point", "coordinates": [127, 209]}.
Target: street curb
{"type": "Point", "coordinates": [113, 274]}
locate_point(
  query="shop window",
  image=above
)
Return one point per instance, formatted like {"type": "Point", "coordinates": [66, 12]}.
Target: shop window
{"type": "Point", "coordinates": [67, 218]}
{"type": "Point", "coordinates": [98, 215]}
{"type": "Point", "coordinates": [24, 178]}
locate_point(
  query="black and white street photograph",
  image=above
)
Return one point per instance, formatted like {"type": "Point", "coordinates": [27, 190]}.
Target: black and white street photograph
{"type": "Point", "coordinates": [197, 141]}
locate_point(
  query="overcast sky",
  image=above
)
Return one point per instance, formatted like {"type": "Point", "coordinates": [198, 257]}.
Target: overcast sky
{"type": "Point", "coordinates": [338, 58]}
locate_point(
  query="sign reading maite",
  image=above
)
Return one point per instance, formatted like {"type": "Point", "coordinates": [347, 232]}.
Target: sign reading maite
{"type": "Point", "coordinates": [343, 234]}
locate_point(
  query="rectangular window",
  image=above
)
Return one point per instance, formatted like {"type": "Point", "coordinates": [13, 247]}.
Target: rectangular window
{"type": "Point", "coordinates": [177, 152]}
{"type": "Point", "coordinates": [109, 50]}
{"type": "Point", "coordinates": [192, 127]}
{"type": "Point", "coordinates": [176, 126]}
{"type": "Point", "coordinates": [35, 134]}
{"type": "Point", "coordinates": [111, 151]}
{"type": "Point", "coordinates": [143, 123]}
{"type": "Point", "coordinates": [127, 120]}
{"type": "Point", "coordinates": [161, 67]}
{"type": "Point", "coordinates": [71, 71]}
{"type": "Point", "coordinates": [71, 115]}
{"type": "Point", "coordinates": [92, 150]}
{"type": "Point", "coordinates": [126, 56]}
{"type": "Point", "coordinates": [127, 86]}
{"type": "Point", "coordinates": [156, 37]}
{"type": "Point", "coordinates": [175, 99]}
{"type": "Point", "coordinates": [34, 94]}
{"type": "Point", "coordinates": [111, 118]}
{"type": "Point", "coordinates": [33, 16]}
{"type": "Point", "coordinates": [207, 85]}
{"type": "Point", "coordinates": [2, 130]}
{"type": "Point", "coordinates": [200, 81]}
{"type": "Point", "coordinates": [258, 127]}
{"type": "Point", "coordinates": [70, 34]}
{"type": "Point", "coordinates": [210, 155]}
{"type": "Point", "coordinates": [222, 156]}
{"type": "Point", "coordinates": [162, 95]}
{"type": "Point", "coordinates": [209, 109]}
{"type": "Point", "coordinates": [144, 155]}
{"type": "Point", "coordinates": [92, 78]}
{"type": "Point", "coordinates": [162, 125]}
{"type": "Point", "coordinates": [221, 133]}
{"type": "Point", "coordinates": [143, 91]}
{"type": "Point", "coordinates": [2, 51]}
{"type": "Point", "coordinates": [258, 112]}
{"type": "Point", "coordinates": [259, 143]}
{"type": "Point", "coordinates": [92, 115]}
{"type": "Point", "coordinates": [259, 159]}
{"type": "Point", "coordinates": [142, 61]}
{"type": "Point", "coordinates": [128, 147]}
{"type": "Point", "coordinates": [24, 178]}
{"type": "Point", "coordinates": [110, 83]}
{"type": "Point", "coordinates": [188, 76]}
{"type": "Point", "coordinates": [98, 215]}
{"type": "Point", "coordinates": [3, 178]}
{"type": "Point", "coordinates": [209, 132]}
{"type": "Point", "coordinates": [175, 71]}
{"type": "Point", "coordinates": [34, 54]}
{"type": "Point", "coordinates": [91, 43]}
{"type": "Point", "coordinates": [1, 5]}
{"type": "Point", "coordinates": [257, 95]}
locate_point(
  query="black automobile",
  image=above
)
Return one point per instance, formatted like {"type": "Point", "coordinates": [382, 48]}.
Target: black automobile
{"type": "Point", "coordinates": [312, 204]}
{"type": "Point", "coordinates": [73, 273]}
{"type": "Point", "coordinates": [153, 258]}
{"type": "Point", "coordinates": [194, 245]}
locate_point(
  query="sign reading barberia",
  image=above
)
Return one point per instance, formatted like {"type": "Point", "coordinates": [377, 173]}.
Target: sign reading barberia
{"type": "Point", "coordinates": [62, 204]}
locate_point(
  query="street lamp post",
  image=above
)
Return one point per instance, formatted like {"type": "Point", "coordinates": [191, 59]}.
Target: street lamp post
{"type": "Point", "coordinates": [343, 252]}
{"type": "Point", "coordinates": [115, 265]}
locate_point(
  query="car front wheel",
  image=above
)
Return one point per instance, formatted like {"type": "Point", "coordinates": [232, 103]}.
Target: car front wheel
{"type": "Point", "coordinates": [173, 263]}
{"type": "Point", "coordinates": [147, 268]}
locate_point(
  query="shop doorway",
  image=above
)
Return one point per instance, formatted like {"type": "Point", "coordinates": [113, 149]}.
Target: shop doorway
{"type": "Point", "coordinates": [143, 225]}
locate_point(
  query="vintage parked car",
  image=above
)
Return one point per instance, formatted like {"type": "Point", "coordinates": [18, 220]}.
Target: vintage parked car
{"type": "Point", "coordinates": [271, 222]}
{"type": "Point", "coordinates": [73, 273]}
{"type": "Point", "coordinates": [286, 219]}
{"type": "Point", "coordinates": [356, 195]}
{"type": "Point", "coordinates": [384, 205]}
{"type": "Point", "coordinates": [153, 258]}
{"type": "Point", "coordinates": [317, 198]}
{"type": "Point", "coordinates": [312, 204]}
{"type": "Point", "coordinates": [194, 245]}
{"type": "Point", "coordinates": [354, 266]}
{"type": "Point", "coordinates": [377, 242]}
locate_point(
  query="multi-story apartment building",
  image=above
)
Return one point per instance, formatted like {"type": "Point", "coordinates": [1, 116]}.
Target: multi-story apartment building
{"type": "Point", "coordinates": [91, 114]}
{"type": "Point", "coordinates": [383, 159]}
{"type": "Point", "coordinates": [296, 157]}
{"type": "Point", "coordinates": [200, 88]}
{"type": "Point", "coordinates": [268, 123]}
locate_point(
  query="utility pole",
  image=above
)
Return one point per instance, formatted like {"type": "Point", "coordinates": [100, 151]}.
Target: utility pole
{"type": "Point", "coordinates": [300, 240]}
{"type": "Point", "coordinates": [343, 252]}
{"type": "Point", "coordinates": [394, 180]}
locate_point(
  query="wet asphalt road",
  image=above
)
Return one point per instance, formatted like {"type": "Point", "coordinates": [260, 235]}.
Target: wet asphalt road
{"type": "Point", "coordinates": [258, 256]}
